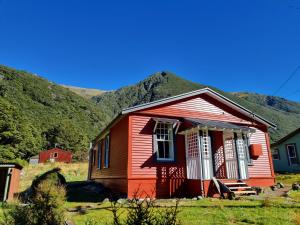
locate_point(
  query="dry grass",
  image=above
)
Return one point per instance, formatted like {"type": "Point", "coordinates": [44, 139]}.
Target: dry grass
{"type": "Point", "coordinates": [71, 171]}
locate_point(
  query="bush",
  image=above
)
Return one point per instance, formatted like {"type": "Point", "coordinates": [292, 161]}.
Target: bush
{"type": "Point", "coordinates": [144, 212]}
{"type": "Point", "coordinates": [46, 207]}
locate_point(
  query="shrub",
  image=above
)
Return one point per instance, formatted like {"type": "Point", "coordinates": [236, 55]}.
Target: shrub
{"type": "Point", "coordinates": [46, 207]}
{"type": "Point", "coordinates": [144, 212]}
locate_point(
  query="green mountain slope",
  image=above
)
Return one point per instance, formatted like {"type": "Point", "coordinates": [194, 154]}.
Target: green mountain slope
{"type": "Point", "coordinates": [165, 84]}
{"type": "Point", "coordinates": [36, 114]}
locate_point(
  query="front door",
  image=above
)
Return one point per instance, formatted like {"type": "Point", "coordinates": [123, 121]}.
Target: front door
{"type": "Point", "coordinates": [230, 156]}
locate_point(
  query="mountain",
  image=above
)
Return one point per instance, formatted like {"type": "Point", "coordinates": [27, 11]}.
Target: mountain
{"type": "Point", "coordinates": [84, 92]}
{"type": "Point", "coordinates": [36, 114]}
{"type": "Point", "coordinates": [284, 113]}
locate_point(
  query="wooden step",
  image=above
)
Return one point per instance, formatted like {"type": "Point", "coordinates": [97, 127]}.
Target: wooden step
{"type": "Point", "coordinates": [244, 192]}
{"type": "Point", "coordinates": [233, 188]}
{"type": "Point", "coordinates": [238, 183]}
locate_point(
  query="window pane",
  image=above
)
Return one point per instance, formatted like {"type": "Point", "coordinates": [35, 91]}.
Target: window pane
{"type": "Point", "coordinates": [275, 153]}
{"type": "Point", "coordinates": [167, 150]}
{"type": "Point", "coordinates": [294, 161]}
{"type": "Point", "coordinates": [292, 152]}
{"type": "Point", "coordinates": [160, 145]}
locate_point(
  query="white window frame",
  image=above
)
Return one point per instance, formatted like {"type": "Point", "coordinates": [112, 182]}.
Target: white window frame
{"type": "Point", "coordinates": [161, 136]}
{"type": "Point", "coordinates": [277, 154]}
{"type": "Point", "coordinates": [295, 153]}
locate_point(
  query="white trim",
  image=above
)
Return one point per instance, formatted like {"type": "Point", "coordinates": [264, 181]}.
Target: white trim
{"type": "Point", "coordinates": [170, 141]}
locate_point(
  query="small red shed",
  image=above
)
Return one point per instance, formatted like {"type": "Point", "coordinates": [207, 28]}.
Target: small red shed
{"type": "Point", "coordinates": [9, 180]}
{"type": "Point", "coordinates": [196, 143]}
{"type": "Point", "coordinates": [55, 155]}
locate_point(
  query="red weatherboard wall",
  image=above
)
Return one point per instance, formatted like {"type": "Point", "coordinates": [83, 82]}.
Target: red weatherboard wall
{"type": "Point", "coordinates": [158, 179]}
{"type": "Point", "coordinates": [115, 176]}
{"type": "Point", "coordinates": [63, 156]}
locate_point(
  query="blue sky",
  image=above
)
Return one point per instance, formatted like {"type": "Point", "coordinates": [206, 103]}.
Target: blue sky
{"type": "Point", "coordinates": [249, 45]}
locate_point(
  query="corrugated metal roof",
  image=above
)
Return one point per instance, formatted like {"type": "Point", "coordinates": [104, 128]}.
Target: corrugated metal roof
{"type": "Point", "coordinates": [10, 165]}
{"type": "Point", "coordinates": [218, 125]}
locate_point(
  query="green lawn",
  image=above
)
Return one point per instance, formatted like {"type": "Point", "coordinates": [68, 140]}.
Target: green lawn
{"type": "Point", "coordinates": [274, 210]}
{"type": "Point", "coordinates": [288, 179]}
{"type": "Point", "coordinates": [211, 211]}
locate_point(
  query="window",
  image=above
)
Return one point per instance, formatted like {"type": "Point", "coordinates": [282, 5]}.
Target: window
{"type": "Point", "coordinates": [292, 154]}
{"type": "Point", "coordinates": [99, 154]}
{"type": "Point", "coordinates": [163, 141]}
{"type": "Point", "coordinates": [54, 155]}
{"type": "Point", "coordinates": [106, 152]}
{"type": "Point", "coordinates": [275, 154]}
{"type": "Point", "coordinates": [94, 157]}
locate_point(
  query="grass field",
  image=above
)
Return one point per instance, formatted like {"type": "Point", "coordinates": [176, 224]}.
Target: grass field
{"type": "Point", "coordinates": [72, 172]}
{"type": "Point", "coordinates": [263, 210]}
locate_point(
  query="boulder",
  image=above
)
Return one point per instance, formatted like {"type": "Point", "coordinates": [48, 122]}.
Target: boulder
{"type": "Point", "coordinates": [296, 186]}
{"type": "Point", "coordinates": [279, 185]}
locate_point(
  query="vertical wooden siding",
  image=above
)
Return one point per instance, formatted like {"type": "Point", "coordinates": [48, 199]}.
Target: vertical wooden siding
{"type": "Point", "coordinates": [262, 166]}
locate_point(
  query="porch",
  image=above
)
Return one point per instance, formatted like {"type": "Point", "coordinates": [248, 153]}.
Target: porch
{"type": "Point", "coordinates": [217, 154]}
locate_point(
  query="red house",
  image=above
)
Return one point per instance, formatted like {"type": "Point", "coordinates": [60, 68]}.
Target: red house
{"type": "Point", "coordinates": [54, 155]}
{"type": "Point", "coordinates": [197, 143]}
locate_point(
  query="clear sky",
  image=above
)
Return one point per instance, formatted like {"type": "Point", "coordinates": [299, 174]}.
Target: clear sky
{"type": "Point", "coordinates": [242, 45]}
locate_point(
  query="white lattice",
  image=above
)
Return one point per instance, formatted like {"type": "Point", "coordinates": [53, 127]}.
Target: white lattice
{"type": "Point", "coordinates": [192, 155]}
{"type": "Point", "coordinates": [193, 144]}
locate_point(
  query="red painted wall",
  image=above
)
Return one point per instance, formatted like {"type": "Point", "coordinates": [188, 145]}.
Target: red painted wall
{"type": "Point", "coordinates": [115, 176]}
{"type": "Point", "coordinates": [14, 184]}
{"type": "Point", "coordinates": [63, 156]}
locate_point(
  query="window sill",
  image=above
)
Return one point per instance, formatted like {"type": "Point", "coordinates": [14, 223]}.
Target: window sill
{"type": "Point", "coordinates": [165, 160]}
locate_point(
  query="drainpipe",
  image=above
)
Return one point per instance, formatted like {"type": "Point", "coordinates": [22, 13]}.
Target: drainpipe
{"type": "Point", "coordinates": [8, 176]}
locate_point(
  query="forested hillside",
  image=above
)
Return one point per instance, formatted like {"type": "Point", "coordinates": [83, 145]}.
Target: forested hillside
{"type": "Point", "coordinates": [36, 114]}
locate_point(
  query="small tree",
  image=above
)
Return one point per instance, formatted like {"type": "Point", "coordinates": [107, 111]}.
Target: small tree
{"type": "Point", "coordinates": [46, 207]}
{"type": "Point", "coordinates": [145, 212]}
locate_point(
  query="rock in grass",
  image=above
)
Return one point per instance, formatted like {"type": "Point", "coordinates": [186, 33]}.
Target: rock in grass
{"type": "Point", "coordinates": [199, 197]}
{"type": "Point", "coordinates": [279, 185]}
{"type": "Point", "coordinates": [296, 186]}
{"type": "Point", "coordinates": [274, 188]}
{"type": "Point", "coordinates": [106, 200]}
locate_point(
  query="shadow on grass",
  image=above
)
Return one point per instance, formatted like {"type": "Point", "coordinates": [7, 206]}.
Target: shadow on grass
{"type": "Point", "coordinates": [89, 191]}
